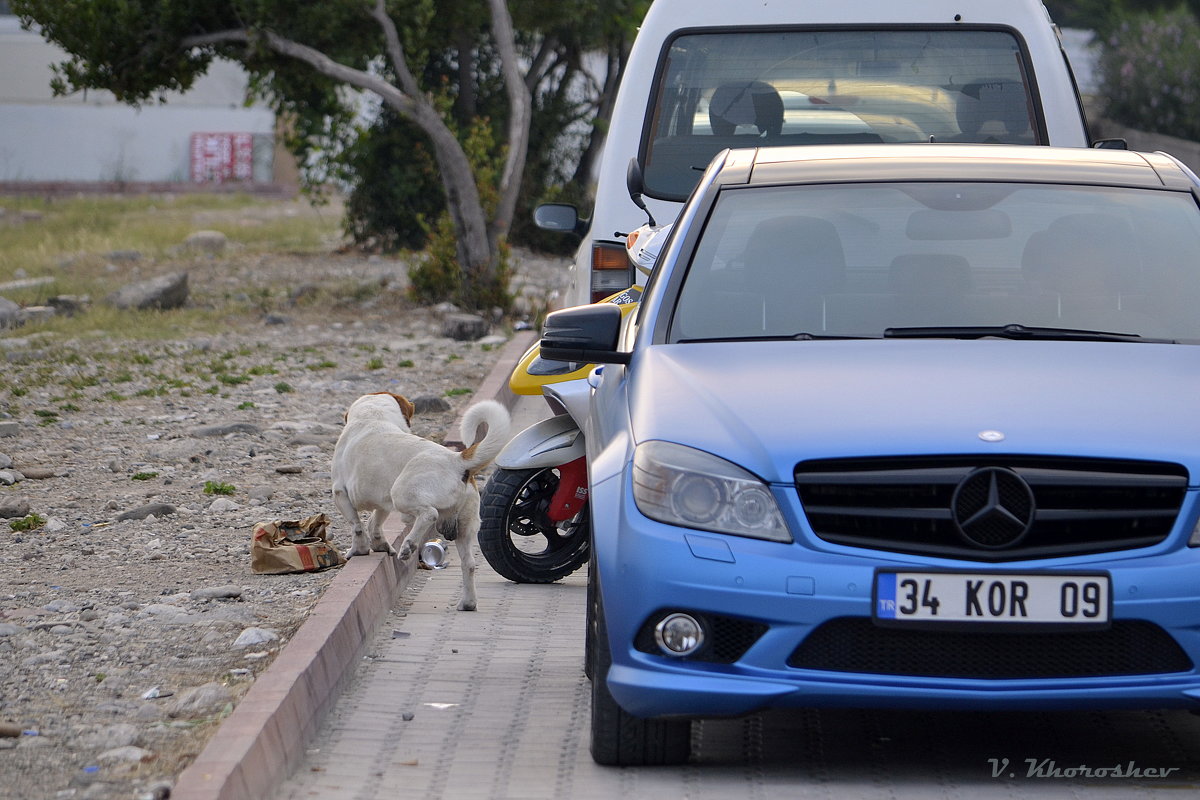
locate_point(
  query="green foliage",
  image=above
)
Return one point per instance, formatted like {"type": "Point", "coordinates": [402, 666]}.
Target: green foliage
{"type": "Point", "coordinates": [1150, 72]}
{"type": "Point", "coordinates": [396, 195]}
{"type": "Point", "coordinates": [439, 276]}
{"type": "Point", "coordinates": [283, 387]}
{"type": "Point", "coordinates": [219, 487]}
{"type": "Point", "coordinates": [1103, 15]}
{"type": "Point", "coordinates": [29, 523]}
{"type": "Point", "coordinates": [457, 392]}
{"type": "Point", "coordinates": [144, 476]}
{"type": "Point", "coordinates": [140, 49]}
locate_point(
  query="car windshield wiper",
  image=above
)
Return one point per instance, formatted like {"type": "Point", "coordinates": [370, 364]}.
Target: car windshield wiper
{"type": "Point", "coordinates": [803, 336]}
{"type": "Point", "coordinates": [1017, 331]}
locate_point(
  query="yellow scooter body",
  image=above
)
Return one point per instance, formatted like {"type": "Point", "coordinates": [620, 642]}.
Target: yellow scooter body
{"type": "Point", "coordinates": [533, 372]}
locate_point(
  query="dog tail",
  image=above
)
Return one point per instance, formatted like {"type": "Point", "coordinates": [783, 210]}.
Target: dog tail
{"type": "Point", "coordinates": [485, 430]}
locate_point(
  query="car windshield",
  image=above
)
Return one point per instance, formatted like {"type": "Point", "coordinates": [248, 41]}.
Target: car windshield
{"type": "Point", "coordinates": [944, 259]}
{"type": "Point", "coordinates": [745, 89]}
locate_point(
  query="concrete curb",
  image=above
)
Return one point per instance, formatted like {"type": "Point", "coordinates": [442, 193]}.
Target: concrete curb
{"type": "Point", "coordinates": [262, 742]}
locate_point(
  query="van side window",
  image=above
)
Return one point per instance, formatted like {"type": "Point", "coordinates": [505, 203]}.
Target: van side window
{"type": "Point", "coordinates": [733, 88]}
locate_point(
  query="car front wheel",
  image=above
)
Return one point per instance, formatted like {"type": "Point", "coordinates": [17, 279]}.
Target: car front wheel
{"type": "Point", "coordinates": [620, 739]}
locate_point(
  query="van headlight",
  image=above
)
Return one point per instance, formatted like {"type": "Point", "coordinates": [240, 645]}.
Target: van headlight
{"type": "Point", "coordinates": [694, 489]}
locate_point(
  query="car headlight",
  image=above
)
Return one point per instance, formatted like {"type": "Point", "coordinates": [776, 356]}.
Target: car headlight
{"type": "Point", "coordinates": [694, 489]}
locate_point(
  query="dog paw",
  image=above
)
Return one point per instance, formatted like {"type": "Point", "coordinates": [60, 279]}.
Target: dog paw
{"type": "Point", "coordinates": [463, 606]}
{"type": "Point", "coordinates": [406, 552]}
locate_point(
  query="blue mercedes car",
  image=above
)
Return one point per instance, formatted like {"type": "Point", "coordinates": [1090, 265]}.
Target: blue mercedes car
{"type": "Point", "coordinates": [904, 426]}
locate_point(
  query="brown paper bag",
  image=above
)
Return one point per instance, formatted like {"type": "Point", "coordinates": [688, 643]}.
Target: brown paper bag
{"type": "Point", "coordinates": [293, 546]}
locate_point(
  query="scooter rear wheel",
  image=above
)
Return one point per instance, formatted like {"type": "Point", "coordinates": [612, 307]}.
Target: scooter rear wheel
{"type": "Point", "coordinates": [517, 538]}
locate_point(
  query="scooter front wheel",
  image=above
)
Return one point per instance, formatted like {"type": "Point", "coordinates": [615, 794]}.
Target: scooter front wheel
{"type": "Point", "coordinates": [516, 536]}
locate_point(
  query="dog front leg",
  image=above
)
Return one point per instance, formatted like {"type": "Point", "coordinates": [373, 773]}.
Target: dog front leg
{"type": "Point", "coordinates": [359, 545]}
{"type": "Point", "coordinates": [379, 542]}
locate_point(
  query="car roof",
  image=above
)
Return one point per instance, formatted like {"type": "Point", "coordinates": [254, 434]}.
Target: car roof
{"type": "Point", "coordinates": [953, 162]}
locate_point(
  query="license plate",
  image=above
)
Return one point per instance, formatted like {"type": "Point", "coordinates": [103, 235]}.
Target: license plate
{"type": "Point", "coordinates": [969, 599]}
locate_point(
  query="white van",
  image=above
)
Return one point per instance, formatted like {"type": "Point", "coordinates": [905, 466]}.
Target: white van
{"type": "Point", "coordinates": [704, 75]}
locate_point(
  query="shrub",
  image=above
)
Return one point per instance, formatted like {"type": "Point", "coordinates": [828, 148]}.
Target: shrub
{"type": "Point", "coordinates": [28, 523]}
{"type": "Point", "coordinates": [1150, 72]}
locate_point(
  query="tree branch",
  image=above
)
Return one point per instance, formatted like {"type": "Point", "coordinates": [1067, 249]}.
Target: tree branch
{"type": "Point", "coordinates": [518, 120]}
{"type": "Point", "coordinates": [314, 58]}
{"type": "Point", "coordinates": [395, 50]}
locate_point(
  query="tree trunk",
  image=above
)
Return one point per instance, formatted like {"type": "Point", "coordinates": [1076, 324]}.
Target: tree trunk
{"type": "Point", "coordinates": [519, 116]}
{"type": "Point", "coordinates": [618, 52]}
{"type": "Point", "coordinates": [476, 255]}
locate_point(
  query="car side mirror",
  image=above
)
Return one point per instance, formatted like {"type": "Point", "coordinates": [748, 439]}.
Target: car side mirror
{"type": "Point", "coordinates": [558, 217]}
{"type": "Point", "coordinates": [1110, 144]}
{"type": "Point", "coordinates": [583, 334]}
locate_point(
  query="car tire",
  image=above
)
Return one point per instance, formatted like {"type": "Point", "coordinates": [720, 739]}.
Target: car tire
{"type": "Point", "coordinates": [589, 623]}
{"type": "Point", "coordinates": [619, 739]}
{"type": "Point", "coordinates": [517, 538]}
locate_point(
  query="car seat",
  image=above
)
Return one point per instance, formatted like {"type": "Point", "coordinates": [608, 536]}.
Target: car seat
{"type": "Point", "coordinates": [746, 103]}
{"type": "Point", "coordinates": [986, 102]}
{"type": "Point", "coordinates": [775, 288]}
{"type": "Point", "coordinates": [929, 287]}
{"type": "Point", "coordinates": [1083, 254]}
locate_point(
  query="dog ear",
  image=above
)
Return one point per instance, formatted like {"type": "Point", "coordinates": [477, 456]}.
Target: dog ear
{"type": "Point", "coordinates": [406, 407]}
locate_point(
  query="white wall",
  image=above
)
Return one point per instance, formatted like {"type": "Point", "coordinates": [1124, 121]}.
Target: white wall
{"type": "Point", "coordinates": [91, 137]}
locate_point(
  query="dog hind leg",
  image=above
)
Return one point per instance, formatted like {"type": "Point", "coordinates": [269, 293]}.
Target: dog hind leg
{"type": "Point", "coordinates": [359, 545]}
{"type": "Point", "coordinates": [467, 518]}
{"type": "Point", "coordinates": [423, 521]}
{"type": "Point", "coordinates": [379, 542]}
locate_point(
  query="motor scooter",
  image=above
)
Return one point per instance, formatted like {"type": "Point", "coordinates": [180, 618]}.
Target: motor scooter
{"type": "Point", "coordinates": [534, 525]}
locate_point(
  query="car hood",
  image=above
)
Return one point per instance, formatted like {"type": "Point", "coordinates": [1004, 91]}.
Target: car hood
{"type": "Point", "coordinates": [769, 405]}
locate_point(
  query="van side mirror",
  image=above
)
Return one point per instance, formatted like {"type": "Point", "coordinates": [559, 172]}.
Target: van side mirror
{"type": "Point", "coordinates": [635, 186]}
{"type": "Point", "coordinates": [559, 217]}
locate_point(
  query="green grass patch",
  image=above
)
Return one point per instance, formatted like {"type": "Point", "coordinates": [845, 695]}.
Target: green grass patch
{"type": "Point", "coordinates": [71, 238]}
{"type": "Point", "coordinates": [219, 487]}
{"type": "Point", "coordinates": [29, 523]}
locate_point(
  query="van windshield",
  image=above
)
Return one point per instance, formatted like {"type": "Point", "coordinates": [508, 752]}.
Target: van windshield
{"type": "Point", "coordinates": [752, 89]}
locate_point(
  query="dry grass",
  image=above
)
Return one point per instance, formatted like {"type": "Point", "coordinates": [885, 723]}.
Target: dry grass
{"type": "Point", "coordinates": [73, 246]}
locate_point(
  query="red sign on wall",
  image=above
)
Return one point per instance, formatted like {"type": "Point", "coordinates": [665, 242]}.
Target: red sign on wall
{"type": "Point", "coordinates": [221, 157]}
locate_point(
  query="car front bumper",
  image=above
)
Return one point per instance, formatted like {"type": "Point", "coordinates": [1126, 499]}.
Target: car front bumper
{"type": "Point", "coordinates": [647, 568]}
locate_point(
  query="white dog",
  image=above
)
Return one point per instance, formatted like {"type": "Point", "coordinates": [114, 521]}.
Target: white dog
{"type": "Point", "coordinates": [380, 466]}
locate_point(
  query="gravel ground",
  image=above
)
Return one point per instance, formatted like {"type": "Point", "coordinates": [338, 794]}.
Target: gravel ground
{"type": "Point", "coordinates": [130, 621]}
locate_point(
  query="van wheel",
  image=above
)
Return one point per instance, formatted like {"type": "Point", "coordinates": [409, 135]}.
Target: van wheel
{"type": "Point", "coordinates": [620, 739]}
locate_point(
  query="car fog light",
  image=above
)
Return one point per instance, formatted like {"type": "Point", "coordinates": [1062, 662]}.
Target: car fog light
{"type": "Point", "coordinates": [679, 635]}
